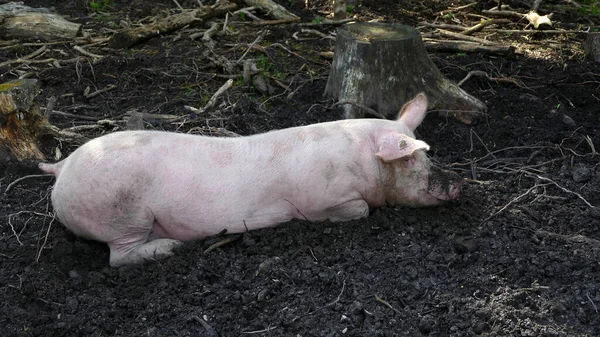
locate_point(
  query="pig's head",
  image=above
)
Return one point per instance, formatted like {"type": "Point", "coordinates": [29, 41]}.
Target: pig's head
{"type": "Point", "coordinates": [410, 179]}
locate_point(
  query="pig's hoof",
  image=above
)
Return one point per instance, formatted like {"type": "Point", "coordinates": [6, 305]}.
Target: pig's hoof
{"type": "Point", "coordinates": [152, 250]}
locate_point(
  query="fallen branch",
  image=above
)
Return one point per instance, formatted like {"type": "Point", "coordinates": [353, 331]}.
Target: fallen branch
{"type": "Point", "coordinates": [462, 47]}
{"type": "Point", "coordinates": [275, 10]}
{"type": "Point", "coordinates": [536, 20]}
{"type": "Point", "coordinates": [464, 37]}
{"type": "Point", "coordinates": [130, 37]}
{"type": "Point", "coordinates": [483, 24]}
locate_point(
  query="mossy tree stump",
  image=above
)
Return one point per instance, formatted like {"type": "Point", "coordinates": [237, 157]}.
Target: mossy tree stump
{"type": "Point", "coordinates": [21, 122]}
{"type": "Point", "coordinates": [382, 66]}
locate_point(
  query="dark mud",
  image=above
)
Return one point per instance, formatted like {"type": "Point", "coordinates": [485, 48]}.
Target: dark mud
{"type": "Point", "coordinates": [517, 255]}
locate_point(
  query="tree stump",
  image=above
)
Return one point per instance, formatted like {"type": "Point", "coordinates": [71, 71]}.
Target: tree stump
{"type": "Point", "coordinates": [18, 21]}
{"type": "Point", "coordinates": [592, 46]}
{"type": "Point", "coordinates": [20, 119]}
{"type": "Point", "coordinates": [382, 66]}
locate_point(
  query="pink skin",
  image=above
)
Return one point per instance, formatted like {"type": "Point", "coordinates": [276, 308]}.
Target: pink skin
{"type": "Point", "coordinates": [143, 192]}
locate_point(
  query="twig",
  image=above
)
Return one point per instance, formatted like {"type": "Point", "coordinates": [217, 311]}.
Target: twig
{"type": "Point", "coordinates": [178, 5]}
{"type": "Point", "coordinates": [483, 24]}
{"type": "Point", "coordinates": [221, 243]}
{"type": "Point", "coordinates": [213, 100]}
{"type": "Point", "coordinates": [209, 329]}
{"type": "Point", "coordinates": [87, 53]}
{"type": "Point", "coordinates": [101, 91]}
{"type": "Point", "coordinates": [512, 202]}
{"type": "Point", "coordinates": [45, 239]}
{"type": "Point", "coordinates": [10, 186]}
{"type": "Point", "coordinates": [593, 305]}
{"type": "Point", "coordinates": [257, 40]}
{"type": "Point", "coordinates": [464, 37]}
{"type": "Point", "coordinates": [259, 331]}
{"type": "Point", "coordinates": [326, 305]}
{"type": "Point", "coordinates": [560, 187]}
{"type": "Point", "coordinates": [382, 301]}
{"type": "Point", "coordinates": [316, 32]}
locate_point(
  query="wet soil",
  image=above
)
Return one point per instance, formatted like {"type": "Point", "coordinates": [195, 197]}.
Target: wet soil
{"type": "Point", "coordinates": [517, 255]}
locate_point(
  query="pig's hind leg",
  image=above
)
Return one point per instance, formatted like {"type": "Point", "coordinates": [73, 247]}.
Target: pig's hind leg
{"type": "Point", "coordinates": [133, 245]}
{"type": "Point", "coordinates": [349, 210]}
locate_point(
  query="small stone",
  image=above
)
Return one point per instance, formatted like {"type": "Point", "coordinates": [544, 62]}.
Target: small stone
{"type": "Point", "coordinates": [327, 230]}
{"type": "Point", "coordinates": [72, 304]}
{"type": "Point", "coordinates": [582, 174]}
{"type": "Point", "coordinates": [74, 274]}
{"type": "Point", "coordinates": [568, 121]}
{"type": "Point", "coordinates": [247, 240]}
{"type": "Point", "coordinates": [464, 244]}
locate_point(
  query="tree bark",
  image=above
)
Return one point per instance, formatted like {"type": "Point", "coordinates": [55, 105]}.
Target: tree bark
{"type": "Point", "coordinates": [22, 22]}
{"type": "Point", "coordinates": [383, 66]}
{"type": "Point", "coordinates": [20, 118]}
{"type": "Point", "coordinates": [592, 46]}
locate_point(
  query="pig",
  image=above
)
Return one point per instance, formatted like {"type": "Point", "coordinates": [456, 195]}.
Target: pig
{"type": "Point", "coordinates": [144, 192]}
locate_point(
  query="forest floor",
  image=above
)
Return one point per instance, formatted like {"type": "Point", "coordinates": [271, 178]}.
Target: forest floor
{"type": "Point", "coordinates": [517, 255]}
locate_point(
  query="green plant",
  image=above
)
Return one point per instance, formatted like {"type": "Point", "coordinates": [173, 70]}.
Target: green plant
{"type": "Point", "coordinates": [589, 7]}
{"type": "Point", "coordinates": [350, 9]}
{"type": "Point", "coordinates": [242, 16]}
{"type": "Point", "coordinates": [317, 20]}
{"type": "Point", "coordinates": [99, 6]}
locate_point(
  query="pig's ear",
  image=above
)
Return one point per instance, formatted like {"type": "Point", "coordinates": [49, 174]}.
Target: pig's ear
{"type": "Point", "coordinates": [395, 146]}
{"type": "Point", "coordinates": [413, 112]}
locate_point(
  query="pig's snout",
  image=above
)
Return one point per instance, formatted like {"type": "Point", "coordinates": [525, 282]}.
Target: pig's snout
{"type": "Point", "coordinates": [444, 185]}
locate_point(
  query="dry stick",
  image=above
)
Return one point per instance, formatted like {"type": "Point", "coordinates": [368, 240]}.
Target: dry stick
{"type": "Point", "coordinates": [259, 331]}
{"type": "Point", "coordinates": [483, 24]}
{"type": "Point", "coordinates": [45, 238]}
{"type": "Point", "coordinates": [246, 12]}
{"type": "Point", "coordinates": [560, 187]}
{"type": "Point", "coordinates": [70, 115]}
{"type": "Point", "coordinates": [257, 40]}
{"type": "Point", "coordinates": [517, 31]}
{"type": "Point", "coordinates": [87, 53]}
{"type": "Point", "coordinates": [316, 32]}
{"type": "Point", "coordinates": [213, 100]}
{"type": "Point", "coordinates": [178, 5]}
{"type": "Point", "coordinates": [382, 301]}
{"type": "Point", "coordinates": [209, 329]}
{"type": "Point", "coordinates": [465, 37]}
{"type": "Point", "coordinates": [444, 26]}
{"type": "Point", "coordinates": [449, 10]}
{"type": "Point", "coordinates": [221, 243]}
{"type": "Point", "coordinates": [512, 202]}
{"type": "Point", "coordinates": [10, 186]}
{"type": "Point", "coordinates": [326, 305]}
{"type": "Point", "coordinates": [98, 92]}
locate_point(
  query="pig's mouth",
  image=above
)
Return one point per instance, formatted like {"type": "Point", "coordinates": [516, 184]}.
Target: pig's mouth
{"type": "Point", "coordinates": [444, 185]}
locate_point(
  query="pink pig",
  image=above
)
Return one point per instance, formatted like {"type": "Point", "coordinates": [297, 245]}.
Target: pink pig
{"type": "Point", "coordinates": [143, 192]}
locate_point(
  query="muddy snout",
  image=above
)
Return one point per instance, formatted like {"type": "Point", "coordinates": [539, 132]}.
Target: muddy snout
{"type": "Point", "coordinates": [444, 185]}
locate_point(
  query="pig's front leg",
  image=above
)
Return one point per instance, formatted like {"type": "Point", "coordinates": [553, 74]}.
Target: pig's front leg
{"type": "Point", "coordinates": [349, 210]}
{"type": "Point", "coordinates": [131, 254]}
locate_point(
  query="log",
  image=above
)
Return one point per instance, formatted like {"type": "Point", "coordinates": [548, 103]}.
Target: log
{"type": "Point", "coordinates": [592, 46]}
{"type": "Point", "coordinates": [20, 119]}
{"type": "Point", "coordinates": [132, 36]}
{"type": "Point", "coordinates": [18, 21]}
{"type": "Point", "coordinates": [383, 66]}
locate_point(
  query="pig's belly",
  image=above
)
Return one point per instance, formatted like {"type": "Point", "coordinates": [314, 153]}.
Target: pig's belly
{"type": "Point", "coordinates": [193, 220]}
